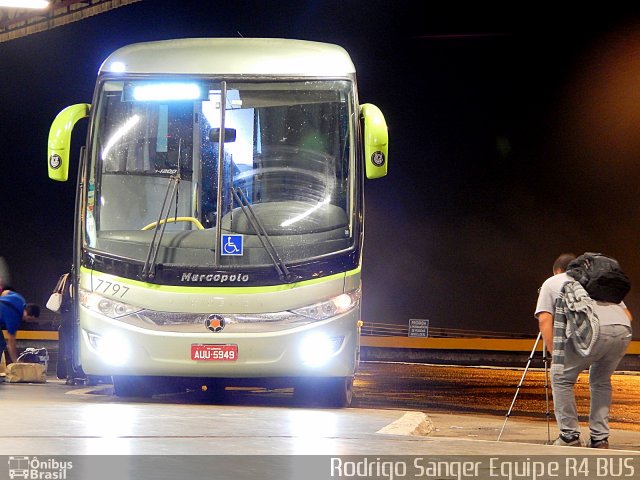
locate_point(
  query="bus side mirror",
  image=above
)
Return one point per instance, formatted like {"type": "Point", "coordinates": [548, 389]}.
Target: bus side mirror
{"type": "Point", "coordinates": [229, 135]}
{"type": "Point", "coordinates": [376, 141]}
{"type": "Point", "coordinates": [60, 139]}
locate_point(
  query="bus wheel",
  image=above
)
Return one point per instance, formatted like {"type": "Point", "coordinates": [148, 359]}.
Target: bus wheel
{"type": "Point", "coordinates": [333, 392]}
{"type": "Point", "coordinates": [125, 386]}
{"type": "Point", "coordinates": [339, 392]}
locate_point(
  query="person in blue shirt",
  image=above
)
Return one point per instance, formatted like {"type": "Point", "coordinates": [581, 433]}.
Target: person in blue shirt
{"type": "Point", "coordinates": [14, 309]}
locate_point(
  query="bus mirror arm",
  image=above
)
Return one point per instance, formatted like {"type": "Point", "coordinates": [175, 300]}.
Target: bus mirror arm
{"type": "Point", "coordinates": [376, 141]}
{"type": "Point", "coordinates": [60, 139]}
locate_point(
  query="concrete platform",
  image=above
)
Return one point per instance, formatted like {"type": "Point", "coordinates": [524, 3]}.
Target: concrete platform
{"type": "Point", "coordinates": [58, 419]}
{"type": "Point", "coordinates": [265, 436]}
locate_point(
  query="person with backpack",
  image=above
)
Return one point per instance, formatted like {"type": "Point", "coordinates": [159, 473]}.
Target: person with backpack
{"type": "Point", "coordinates": [582, 316]}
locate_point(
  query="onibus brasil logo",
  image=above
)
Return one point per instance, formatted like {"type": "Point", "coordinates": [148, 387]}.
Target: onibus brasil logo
{"type": "Point", "coordinates": [38, 469]}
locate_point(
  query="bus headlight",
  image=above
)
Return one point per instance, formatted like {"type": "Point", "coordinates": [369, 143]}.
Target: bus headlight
{"type": "Point", "coordinates": [112, 348]}
{"type": "Point", "coordinates": [330, 308]}
{"type": "Point", "coordinates": [104, 305]}
{"type": "Point", "coordinates": [316, 349]}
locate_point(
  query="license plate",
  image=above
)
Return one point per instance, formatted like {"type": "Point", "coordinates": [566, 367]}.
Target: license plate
{"type": "Point", "coordinates": [214, 353]}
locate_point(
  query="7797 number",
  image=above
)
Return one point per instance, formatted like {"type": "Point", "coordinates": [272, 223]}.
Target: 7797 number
{"type": "Point", "coordinates": [111, 288]}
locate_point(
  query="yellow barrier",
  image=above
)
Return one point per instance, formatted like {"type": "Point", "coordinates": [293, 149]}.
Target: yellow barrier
{"type": "Point", "coordinates": [35, 335]}
{"type": "Point", "coordinates": [487, 344]}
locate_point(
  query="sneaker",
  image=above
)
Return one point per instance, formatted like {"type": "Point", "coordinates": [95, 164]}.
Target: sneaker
{"type": "Point", "coordinates": [604, 443]}
{"type": "Point", "coordinates": [568, 441]}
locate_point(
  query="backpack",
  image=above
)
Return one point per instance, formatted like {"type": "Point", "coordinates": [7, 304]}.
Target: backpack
{"type": "Point", "coordinates": [34, 355]}
{"type": "Point", "coordinates": [600, 276]}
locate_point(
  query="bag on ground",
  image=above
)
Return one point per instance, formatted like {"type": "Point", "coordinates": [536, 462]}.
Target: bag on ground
{"type": "Point", "coordinates": [25, 373]}
{"type": "Point", "coordinates": [34, 355]}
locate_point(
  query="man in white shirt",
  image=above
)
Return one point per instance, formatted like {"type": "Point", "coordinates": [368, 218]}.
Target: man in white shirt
{"type": "Point", "coordinates": [603, 359]}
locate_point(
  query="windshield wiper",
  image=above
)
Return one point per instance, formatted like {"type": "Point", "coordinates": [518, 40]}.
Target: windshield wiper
{"type": "Point", "coordinates": [149, 268]}
{"type": "Point", "coordinates": [258, 227]}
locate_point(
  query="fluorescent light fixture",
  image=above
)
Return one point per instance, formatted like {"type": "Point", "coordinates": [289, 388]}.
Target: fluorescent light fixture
{"type": "Point", "coordinates": [166, 91]}
{"type": "Point", "coordinates": [24, 3]}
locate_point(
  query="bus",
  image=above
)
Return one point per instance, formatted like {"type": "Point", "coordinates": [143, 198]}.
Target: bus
{"type": "Point", "coordinates": [219, 217]}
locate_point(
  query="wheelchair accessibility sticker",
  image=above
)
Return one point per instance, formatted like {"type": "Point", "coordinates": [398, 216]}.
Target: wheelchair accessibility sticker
{"type": "Point", "coordinates": [232, 245]}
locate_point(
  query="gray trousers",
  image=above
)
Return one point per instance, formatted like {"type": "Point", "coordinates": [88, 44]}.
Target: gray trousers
{"type": "Point", "coordinates": [602, 362]}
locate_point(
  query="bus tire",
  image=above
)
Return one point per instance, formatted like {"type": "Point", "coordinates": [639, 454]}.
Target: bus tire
{"type": "Point", "coordinates": [332, 392]}
{"type": "Point", "coordinates": [339, 392]}
{"type": "Point", "coordinates": [129, 386]}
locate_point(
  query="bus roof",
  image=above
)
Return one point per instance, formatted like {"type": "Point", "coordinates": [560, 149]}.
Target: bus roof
{"type": "Point", "coordinates": [232, 56]}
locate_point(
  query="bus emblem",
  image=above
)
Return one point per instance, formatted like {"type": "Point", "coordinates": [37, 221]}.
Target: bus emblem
{"type": "Point", "coordinates": [215, 323]}
{"type": "Point", "coordinates": [55, 161]}
{"type": "Point", "coordinates": [377, 158]}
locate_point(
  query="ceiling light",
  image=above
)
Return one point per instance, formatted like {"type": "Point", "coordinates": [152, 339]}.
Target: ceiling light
{"type": "Point", "coordinates": [24, 3]}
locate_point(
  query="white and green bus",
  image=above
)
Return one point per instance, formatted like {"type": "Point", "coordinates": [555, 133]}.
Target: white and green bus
{"type": "Point", "coordinates": [219, 217]}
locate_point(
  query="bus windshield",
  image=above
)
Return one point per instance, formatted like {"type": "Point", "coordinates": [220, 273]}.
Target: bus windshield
{"type": "Point", "coordinates": [255, 167]}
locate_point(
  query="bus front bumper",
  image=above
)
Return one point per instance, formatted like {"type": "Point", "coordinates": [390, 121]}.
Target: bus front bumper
{"type": "Point", "coordinates": [327, 348]}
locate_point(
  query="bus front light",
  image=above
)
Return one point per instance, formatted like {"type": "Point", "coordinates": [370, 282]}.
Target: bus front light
{"type": "Point", "coordinates": [331, 307]}
{"type": "Point", "coordinates": [112, 348]}
{"type": "Point", "coordinates": [105, 305]}
{"type": "Point", "coordinates": [317, 349]}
